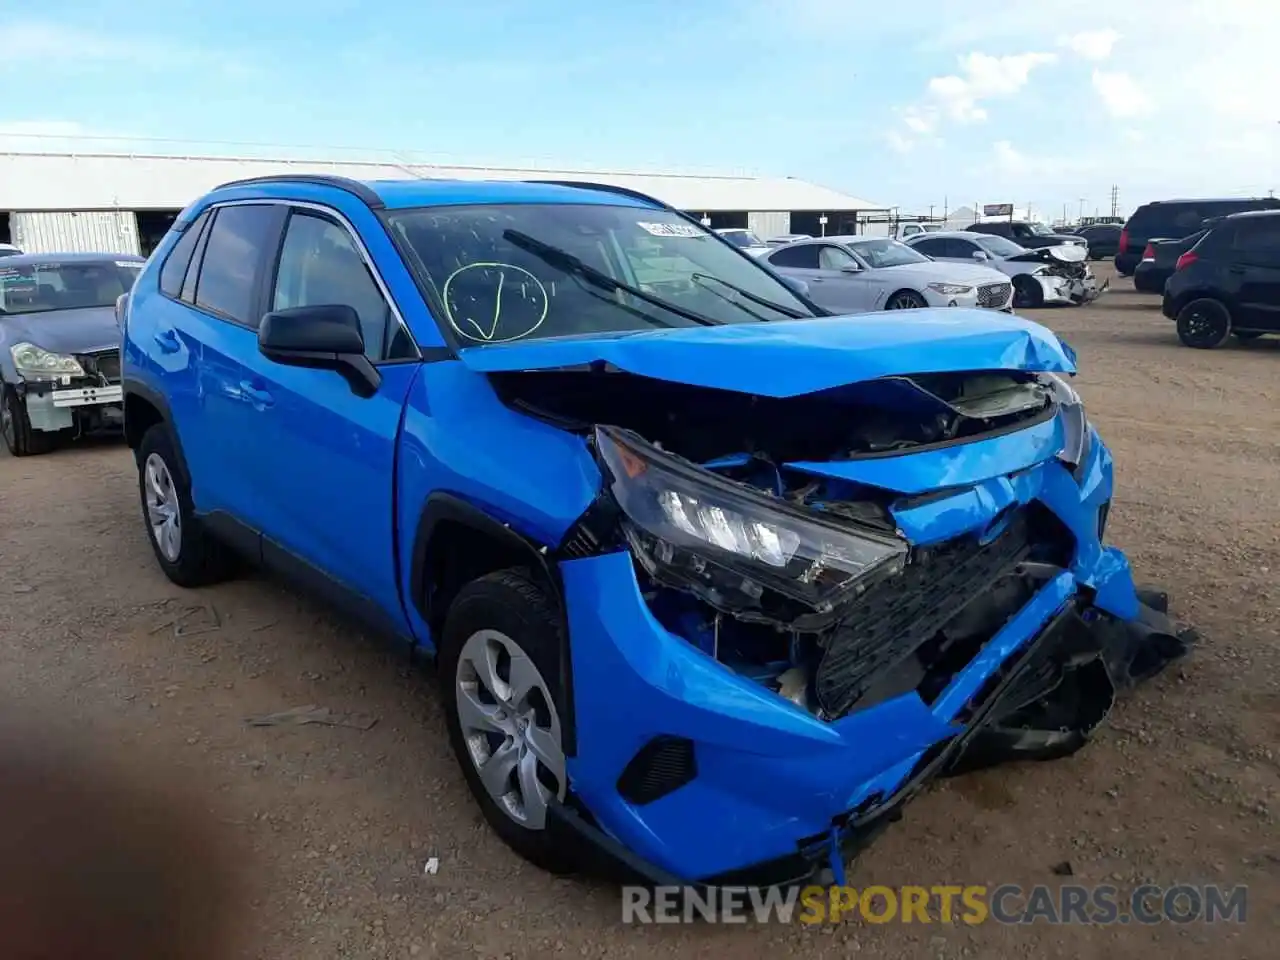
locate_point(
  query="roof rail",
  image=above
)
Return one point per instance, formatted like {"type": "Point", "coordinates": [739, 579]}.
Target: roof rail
{"type": "Point", "coordinates": [355, 187]}
{"type": "Point", "coordinates": [607, 188]}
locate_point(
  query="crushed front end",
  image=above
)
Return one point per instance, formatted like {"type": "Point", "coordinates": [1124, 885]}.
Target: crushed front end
{"type": "Point", "coordinates": [1064, 276]}
{"type": "Point", "coordinates": [75, 392]}
{"type": "Point", "coordinates": [783, 627]}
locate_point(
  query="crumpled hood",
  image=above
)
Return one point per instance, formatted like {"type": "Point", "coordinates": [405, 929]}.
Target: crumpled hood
{"type": "Point", "coordinates": [1065, 253]}
{"type": "Point", "coordinates": [793, 357]}
{"type": "Point", "coordinates": [63, 331]}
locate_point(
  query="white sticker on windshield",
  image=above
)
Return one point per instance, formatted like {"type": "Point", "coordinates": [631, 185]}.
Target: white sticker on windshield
{"type": "Point", "coordinates": [671, 229]}
{"type": "Point", "coordinates": [134, 264]}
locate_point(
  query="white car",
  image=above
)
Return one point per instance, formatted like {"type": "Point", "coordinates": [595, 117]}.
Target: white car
{"type": "Point", "coordinates": [9, 250]}
{"type": "Point", "coordinates": [1057, 275]}
{"type": "Point", "coordinates": [862, 274]}
{"type": "Point", "coordinates": [745, 239]}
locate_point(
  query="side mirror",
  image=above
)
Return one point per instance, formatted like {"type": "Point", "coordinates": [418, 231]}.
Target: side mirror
{"type": "Point", "coordinates": [851, 268]}
{"type": "Point", "coordinates": [122, 305]}
{"type": "Point", "coordinates": [980, 255]}
{"type": "Point", "coordinates": [324, 337]}
{"type": "Point", "coordinates": [796, 284]}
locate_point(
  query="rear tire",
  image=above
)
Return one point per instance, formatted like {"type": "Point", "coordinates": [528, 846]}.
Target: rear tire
{"type": "Point", "coordinates": [19, 436]}
{"type": "Point", "coordinates": [499, 671]}
{"type": "Point", "coordinates": [187, 553]}
{"type": "Point", "coordinates": [1204, 324]}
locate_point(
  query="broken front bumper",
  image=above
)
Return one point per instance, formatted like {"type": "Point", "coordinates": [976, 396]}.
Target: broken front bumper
{"type": "Point", "coordinates": [1067, 291]}
{"type": "Point", "coordinates": [53, 406]}
{"type": "Point", "coordinates": [741, 786]}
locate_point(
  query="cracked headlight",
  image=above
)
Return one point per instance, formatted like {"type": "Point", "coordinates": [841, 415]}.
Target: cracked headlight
{"type": "Point", "coordinates": [951, 289]}
{"type": "Point", "coordinates": [1076, 433]}
{"type": "Point", "coordinates": [37, 363]}
{"type": "Point", "coordinates": [743, 551]}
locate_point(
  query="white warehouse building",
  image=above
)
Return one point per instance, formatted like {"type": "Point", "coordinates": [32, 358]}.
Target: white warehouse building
{"type": "Point", "coordinates": [122, 203]}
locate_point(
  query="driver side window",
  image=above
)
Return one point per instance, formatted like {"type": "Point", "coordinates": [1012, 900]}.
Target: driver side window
{"type": "Point", "coordinates": [833, 258]}
{"type": "Point", "coordinates": [321, 265]}
{"type": "Point", "coordinates": [962, 249]}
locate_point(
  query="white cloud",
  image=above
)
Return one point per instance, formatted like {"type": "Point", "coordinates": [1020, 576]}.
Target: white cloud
{"type": "Point", "coordinates": [984, 77]}
{"type": "Point", "coordinates": [36, 46]}
{"type": "Point", "coordinates": [1092, 44]}
{"type": "Point", "coordinates": [1009, 159]}
{"type": "Point", "coordinates": [1121, 95]}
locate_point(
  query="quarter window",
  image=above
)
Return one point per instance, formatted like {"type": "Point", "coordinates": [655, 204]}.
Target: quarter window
{"type": "Point", "coordinates": [179, 259]}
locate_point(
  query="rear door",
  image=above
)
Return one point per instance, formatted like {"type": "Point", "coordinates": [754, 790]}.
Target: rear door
{"type": "Point", "coordinates": [206, 336]}
{"type": "Point", "coordinates": [1254, 271]}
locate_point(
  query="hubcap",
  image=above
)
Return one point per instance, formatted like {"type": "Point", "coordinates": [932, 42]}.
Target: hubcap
{"type": "Point", "coordinates": [1201, 325]}
{"type": "Point", "coordinates": [163, 514]}
{"type": "Point", "coordinates": [510, 726]}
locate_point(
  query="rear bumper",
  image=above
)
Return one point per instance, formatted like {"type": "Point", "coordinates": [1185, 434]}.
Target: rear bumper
{"type": "Point", "coordinates": [770, 789]}
{"type": "Point", "coordinates": [1148, 278]}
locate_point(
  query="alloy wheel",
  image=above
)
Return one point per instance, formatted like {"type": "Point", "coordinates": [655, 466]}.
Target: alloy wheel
{"type": "Point", "coordinates": [510, 726]}
{"type": "Point", "coordinates": [164, 514]}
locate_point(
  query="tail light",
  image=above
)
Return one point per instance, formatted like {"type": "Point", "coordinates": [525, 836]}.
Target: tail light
{"type": "Point", "coordinates": [1186, 260]}
{"type": "Point", "coordinates": [1124, 240]}
{"type": "Point", "coordinates": [1149, 252]}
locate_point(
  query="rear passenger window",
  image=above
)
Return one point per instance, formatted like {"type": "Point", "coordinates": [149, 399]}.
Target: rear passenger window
{"type": "Point", "coordinates": [175, 265]}
{"type": "Point", "coordinates": [803, 257]}
{"type": "Point", "coordinates": [231, 259]}
{"type": "Point", "coordinates": [931, 248]}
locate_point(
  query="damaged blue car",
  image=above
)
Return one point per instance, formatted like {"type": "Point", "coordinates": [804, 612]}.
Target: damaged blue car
{"type": "Point", "coordinates": [714, 582]}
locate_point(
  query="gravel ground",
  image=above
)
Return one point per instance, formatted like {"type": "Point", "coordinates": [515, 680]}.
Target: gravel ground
{"type": "Point", "coordinates": [334, 824]}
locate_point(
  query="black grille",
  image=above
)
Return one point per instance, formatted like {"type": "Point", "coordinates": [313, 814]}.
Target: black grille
{"type": "Point", "coordinates": [104, 364]}
{"type": "Point", "coordinates": [661, 766]}
{"type": "Point", "coordinates": [899, 616]}
{"type": "Point", "coordinates": [994, 294]}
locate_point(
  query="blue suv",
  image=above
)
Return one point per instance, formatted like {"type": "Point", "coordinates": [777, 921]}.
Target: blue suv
{"type": "Point", "coordinates": [714, 582]}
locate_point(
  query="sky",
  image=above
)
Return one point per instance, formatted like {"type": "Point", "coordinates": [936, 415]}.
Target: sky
{"type": "Point", "coordinates": [933, 103]}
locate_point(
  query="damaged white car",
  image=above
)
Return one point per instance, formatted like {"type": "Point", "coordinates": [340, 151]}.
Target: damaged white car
{"type": "Point", "coordinates": [1049, 276]}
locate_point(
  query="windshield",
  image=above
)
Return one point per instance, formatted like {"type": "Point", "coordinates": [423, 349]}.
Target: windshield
{"type": "Point", "coordinates": [743, 238]}
{"type": "Point", "coordinates": [492, 270]}
{"type": "Point", "coordinates": [886, 253]}
{"type": "Point", "coordinates": [45, 287]}
{"type": "Point", "coordinates": [1039, 229]}
{"type": "Point", "coordinates": [998, 246]}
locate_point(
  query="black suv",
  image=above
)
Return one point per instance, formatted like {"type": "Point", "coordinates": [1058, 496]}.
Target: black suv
{"type": "Point", "coordinates": [1026, 233]}
{"type": "Point", "coordinates": [1175, 219]}
{"type": "Point", "coordinates": [1229, 282]}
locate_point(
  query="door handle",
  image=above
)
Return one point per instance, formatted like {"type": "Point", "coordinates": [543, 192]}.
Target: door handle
{"type": "Point", "coordinates": [168, 341]}
{"type": "Point", "coordinates": [256, 395]}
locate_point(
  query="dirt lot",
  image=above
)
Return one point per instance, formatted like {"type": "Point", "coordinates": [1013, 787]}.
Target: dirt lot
{"type": "Point", "coordinates": [337, 822]}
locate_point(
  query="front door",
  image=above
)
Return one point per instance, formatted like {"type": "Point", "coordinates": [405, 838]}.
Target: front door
{"type": "Point", "coordinates": [328, 457]}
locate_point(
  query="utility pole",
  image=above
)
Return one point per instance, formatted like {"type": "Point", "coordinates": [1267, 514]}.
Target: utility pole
{"type": "Point", "coordinates": [1115, 200]}
{"type": "Point", "coordinates": [1082, 202]}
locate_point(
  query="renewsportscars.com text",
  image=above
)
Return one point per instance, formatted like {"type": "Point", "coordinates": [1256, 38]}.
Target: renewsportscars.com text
{"type": "Point", "coordinates": [969, 904]}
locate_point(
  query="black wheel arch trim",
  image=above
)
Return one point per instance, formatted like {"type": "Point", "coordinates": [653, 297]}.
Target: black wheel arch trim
{"type": "Point", "coordinates": [156, 399]}
{"type": "Point", "coordinates": [442, 507]}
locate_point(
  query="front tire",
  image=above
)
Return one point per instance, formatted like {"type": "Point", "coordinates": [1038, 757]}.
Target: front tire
{"type": "Point", "coordinates": [500, 679]}
{"type": "Point", "coordinates": [1204, 324]}
{"type": "Point", "coordinates": [1027, 292]}
{"type": "Point", "coordinates": [187, 553]}
{"type": "Point", "coordinates": [19, 436]}
{"type": "Point", "coordinates": [906, 300]}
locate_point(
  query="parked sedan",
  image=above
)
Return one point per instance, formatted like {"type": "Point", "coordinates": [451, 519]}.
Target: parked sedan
{"type": "Point", "coordinates": [1049, 275]}
{"type": "Point", "coordinates": [1103, 239]}
{"type": "Point", "coordinates": [745, 239]}
{"type": "Point", "coordinates": [861, 274]}
{"type": "Point", "coordinates": [60, 345]}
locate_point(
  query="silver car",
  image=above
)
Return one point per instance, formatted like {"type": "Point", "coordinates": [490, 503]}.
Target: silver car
{"type": "Point", "coordinates": [863, 274]}
{"type": "Point", "coordinates": [1057, 275]}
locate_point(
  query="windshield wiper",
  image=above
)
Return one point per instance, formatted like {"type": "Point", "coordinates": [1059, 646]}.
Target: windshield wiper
{"type": "Point", "coordinates": [754, 298]}
{"type": "Point", "coordinates": [568, 262]}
